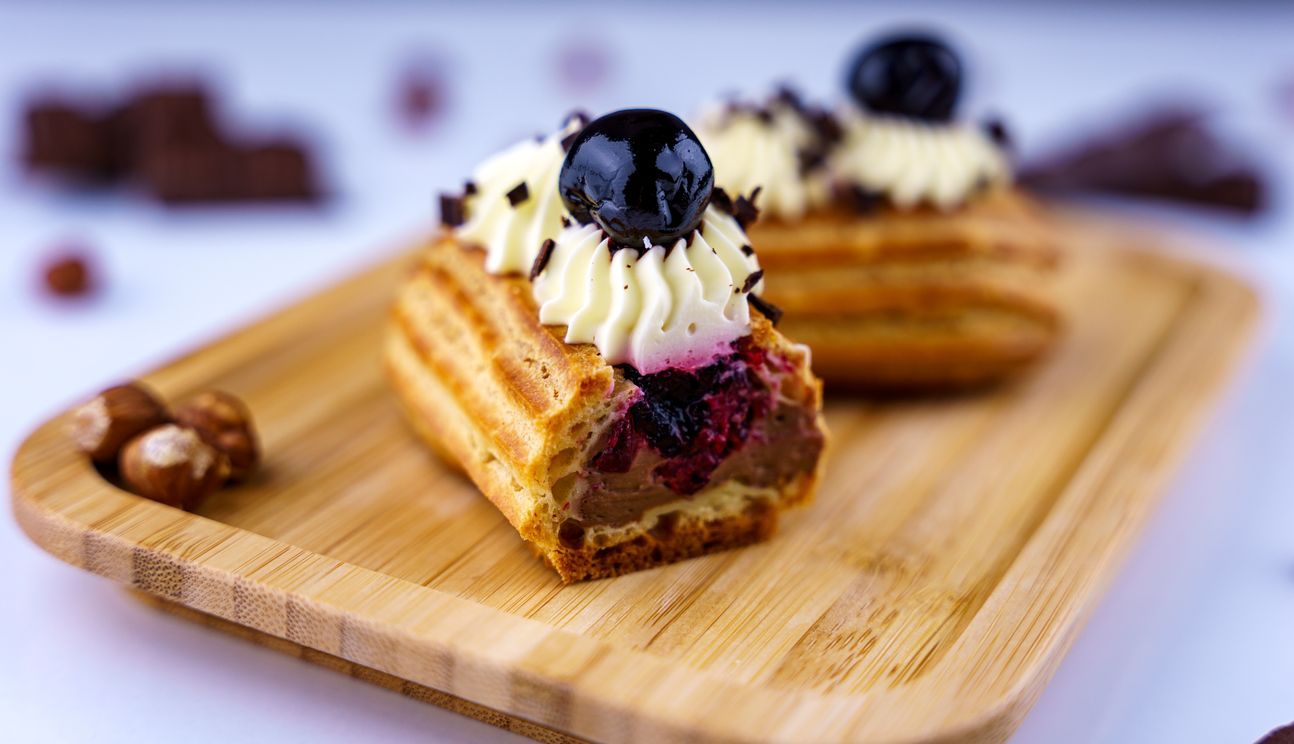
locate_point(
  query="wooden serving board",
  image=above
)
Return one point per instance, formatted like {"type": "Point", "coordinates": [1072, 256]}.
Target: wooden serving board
{"type": "Point", "coordinates": [953, 551]}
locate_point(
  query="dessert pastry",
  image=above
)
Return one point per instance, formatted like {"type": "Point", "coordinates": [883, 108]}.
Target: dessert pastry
{"type": "Point", "coordinates": [581, 342]}
{"type": "Point", "coordinates": [893, 238]}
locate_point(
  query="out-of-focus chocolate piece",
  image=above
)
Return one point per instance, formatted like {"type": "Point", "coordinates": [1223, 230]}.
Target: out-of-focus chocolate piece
{"type": "Point", "coordinates": [1282, 735]}
{"type": "Point", "coordinates": [274, 171]}
{"type": "Point", "coordinates": [166, 138]}
{"type": "Point", "coordinates": [583, 65]}
{"type": "Point", "coordinates": [190, 175]}
{"type": "Point", "coordinates": [163, 118]}
{"type": "Point", "coordinates": [421, 97]}
{"type": "Point", "coordinates": [1170, 154]}
{"type": "Point", "coordinates": [68, 274]}
{"type": "Point", "coordinates": [70, 140]}
{"type": "Point", "coordinates": [280, 170]}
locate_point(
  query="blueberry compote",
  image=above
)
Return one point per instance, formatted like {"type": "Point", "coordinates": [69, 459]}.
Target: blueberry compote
{"type": "Point", "coordinates": [693, 419]}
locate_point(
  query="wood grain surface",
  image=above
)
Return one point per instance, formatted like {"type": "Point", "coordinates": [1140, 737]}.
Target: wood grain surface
{"type": "Point", "coordinates": [954, 549]}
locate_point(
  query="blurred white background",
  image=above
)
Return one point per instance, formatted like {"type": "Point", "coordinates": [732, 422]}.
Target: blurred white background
{"type": "Point", "coordinates": [1194, 642]}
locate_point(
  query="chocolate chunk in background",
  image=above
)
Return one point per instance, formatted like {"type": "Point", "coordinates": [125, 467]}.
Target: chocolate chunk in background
{"type": "Point", "coordinates": [68, 272]}
{"type": "Point", "coordinates": [279, 170]}
{"type": "Point", "coordinates": [164, 116]}
{"type": "Point", "coordinates": [1169, 154]}
{"type": "Point", "coordinates": [165, 138]}
{"type": "Point", "coordinates": [191, 175]}
{"type": "Point", "coordinates": [69, 140]}
{"type": "Point", "coordinates": [1282, 735]}
{"type": "Point", "coordinates": [583, 65]}
{"type": "Point", "coordinates": [421, 97]}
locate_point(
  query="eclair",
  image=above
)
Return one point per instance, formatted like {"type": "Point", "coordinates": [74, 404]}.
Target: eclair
{"type": "Point", "coordinates": [892, 235]}
{"type": "Point", "coordinates": [586, 340]}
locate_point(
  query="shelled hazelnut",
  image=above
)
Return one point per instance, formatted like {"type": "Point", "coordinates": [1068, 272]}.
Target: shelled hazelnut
{"type": "Point", "coordinates": [102, 427]}
{"type": "Point", "coordinates": [224, 422]}
{"type": "Point", "coordinates": [172, 464]}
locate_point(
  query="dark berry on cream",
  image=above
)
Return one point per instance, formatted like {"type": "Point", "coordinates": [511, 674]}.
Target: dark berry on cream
{"type": "Point", "coordinates": [913, 75]}
{"type": "Point", "coordinates": [640, 174]}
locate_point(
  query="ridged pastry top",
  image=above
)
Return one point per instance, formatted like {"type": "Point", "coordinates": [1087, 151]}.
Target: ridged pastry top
{"type": "Point", "coordinates": [916, 163]}
{"type": "Point", "coordinates": [654, 309]}
{"type": "Point", "coordinates": [511, 234]}
{"type": "Point", "coordinates": [765, 148]}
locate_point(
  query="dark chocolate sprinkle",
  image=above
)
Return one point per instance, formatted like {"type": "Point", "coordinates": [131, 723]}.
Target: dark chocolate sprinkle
{"type": "Point", "coordinates": [752, 279]}
{"type": "Point", "coordinates": [789, 97]}
{"type": "Point", "coordinates": [541, 258]}
{"type": "Point", "coordinates": [580, 118]}
{"type": "Point", "coordinates": [469, 188]}
{"type": "Point", "coordinates": [720, 199]}
{"type": "Point", "coordinates": [451, 210]}
{"type": "Point", "coordinates": [518, 194]}
{"type": "Point", "coordinates": [997, 131]}
{"type": "Point", "coordinates": [811, 158]}
{"type": "Point", "coordinates": [827, 127]}
{"type": "Point", "coordinates": [859, 199]}
{"type": "Point", "coordinates": [744, 209]}
{"type": "Point", "coordinates": [747, 250]}
{"type": "Point", "coordinates": [768, 309]}
{"type": "Point", "coordinates": [566, 221]}
{"type": "Point", "coordinates": [577, 115]}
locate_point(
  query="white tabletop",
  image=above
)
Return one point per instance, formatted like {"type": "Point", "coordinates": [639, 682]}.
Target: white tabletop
{"type": "Point", "coordinates": [1193, 643]}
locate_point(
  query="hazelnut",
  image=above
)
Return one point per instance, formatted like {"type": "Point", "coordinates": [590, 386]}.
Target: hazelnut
{"type": "Point", "coordinates": [102, 427]}
{"type": "Point", "coordinates": [224, 422]}
{"type": "Point", "coordinates": [172, 464]}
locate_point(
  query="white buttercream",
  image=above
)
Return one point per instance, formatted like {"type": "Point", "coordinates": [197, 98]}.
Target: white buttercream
{"type": "Point", "coordinates": [511, 236]}
{"type": "Point", "coordinates": [660, 309]}
{"type": "Point", "coordinates": [750, 151]}
{"type": "Point", "coordinates": [916, 163]}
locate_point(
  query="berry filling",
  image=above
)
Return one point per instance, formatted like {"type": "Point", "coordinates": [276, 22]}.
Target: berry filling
{"type": "Point", "coordinates": [693, 419]}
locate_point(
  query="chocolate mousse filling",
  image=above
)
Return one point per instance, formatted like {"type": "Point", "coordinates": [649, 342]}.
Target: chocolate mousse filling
{"type": "Point", "coordinates": [693, 429]}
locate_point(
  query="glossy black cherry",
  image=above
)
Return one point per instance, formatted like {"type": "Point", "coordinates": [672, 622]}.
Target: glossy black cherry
{"type": "Point", "coordinates": [638, 173]}
{"type": "Point", "coordinates": [913, 75]}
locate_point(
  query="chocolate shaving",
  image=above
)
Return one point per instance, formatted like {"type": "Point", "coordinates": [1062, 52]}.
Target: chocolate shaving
{"type": "Point", "coordinates": [518, 194]}
{"type": "Point", "coordinates": [752, 279]}
{"type": "Point", "coordinates": [451, 210]}
{"type": "Point", "coordinates": [566, 221]}
{"type": "Point", "coordinates": [541, 259]}
{"type": "Point", "coordinates": [720, 199]}
{"type": "Point", "coordinates": [997, 131]}
{"type": "Point", "coordinates": [766, 308]}
{"type": "Point", "coordinates": [858, 199]}
{"type": "Point", "coordinates": [811, 158]}
{"type": "Point", "coordinates": [469, 188]}
{"type": "Point", "coordinates": [789, 97]}
{"type": "Point", "coordinates": [747, 250]}
{"type": "Point", "coordinates": [744, 209]}
{"type": "Point", "coordinates": [579, 115]}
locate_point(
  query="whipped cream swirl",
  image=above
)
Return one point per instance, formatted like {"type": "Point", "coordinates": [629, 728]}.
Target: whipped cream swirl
{"type": "Point", "coordinates": [915, 163]}
{"type": "Point", "coordinates": [764, 148]}
{"type": "Point", "coordinates": [654, 309]}
{"type": "Point", "coordinates": [512, 234]}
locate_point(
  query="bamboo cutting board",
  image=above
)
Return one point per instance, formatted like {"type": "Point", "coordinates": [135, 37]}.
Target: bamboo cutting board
{"type": "Point", "coordinates": [954, 549]}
